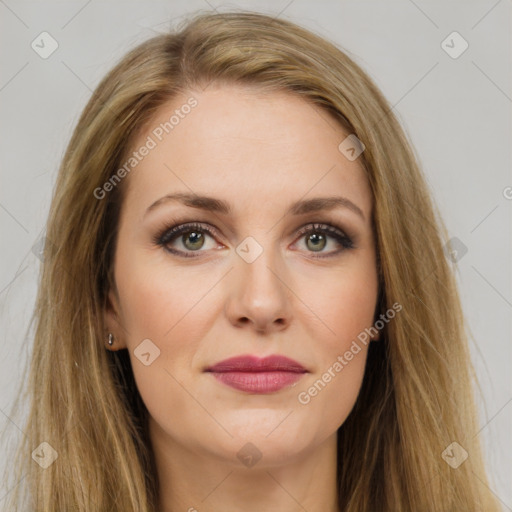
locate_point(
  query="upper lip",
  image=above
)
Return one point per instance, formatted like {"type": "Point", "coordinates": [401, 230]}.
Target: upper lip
{"type": "Point", "coordinates": [256, 364]}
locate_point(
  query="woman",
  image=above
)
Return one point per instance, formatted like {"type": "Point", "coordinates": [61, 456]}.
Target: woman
{"type": "Point", "coordinates": [246, 304]}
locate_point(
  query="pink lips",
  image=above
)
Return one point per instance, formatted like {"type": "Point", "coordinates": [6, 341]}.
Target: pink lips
{"type": "Point", "coordinates": [255, 375]}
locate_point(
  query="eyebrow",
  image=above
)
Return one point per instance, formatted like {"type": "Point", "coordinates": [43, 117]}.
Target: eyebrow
{"type": "Point", "coordinates": [220, 206]}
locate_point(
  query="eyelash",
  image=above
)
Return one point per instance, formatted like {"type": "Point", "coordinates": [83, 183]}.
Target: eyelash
{"type": "Point", "coordinates": [170, 233]}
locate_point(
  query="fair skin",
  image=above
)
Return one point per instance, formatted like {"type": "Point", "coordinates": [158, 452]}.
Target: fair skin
{"type": "Point", "coordinates": [303, 298]}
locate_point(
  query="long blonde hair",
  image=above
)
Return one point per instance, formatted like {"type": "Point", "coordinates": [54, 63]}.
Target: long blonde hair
{"type": "Point", "coordinates": [416, 398]}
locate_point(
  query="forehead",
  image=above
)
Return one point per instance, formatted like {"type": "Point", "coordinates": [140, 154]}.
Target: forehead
{"type": "Point", "coordinates": [247, 146]}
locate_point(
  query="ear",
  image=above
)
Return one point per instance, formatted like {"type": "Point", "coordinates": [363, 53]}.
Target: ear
{"type": "Point", "coordinates": [112, 321]}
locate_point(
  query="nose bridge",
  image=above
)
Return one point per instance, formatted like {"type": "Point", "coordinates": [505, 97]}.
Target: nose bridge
{"type": "Point", "coordinates": [260, 265]}
{"type": "Point", "coordinates": [260, 293]}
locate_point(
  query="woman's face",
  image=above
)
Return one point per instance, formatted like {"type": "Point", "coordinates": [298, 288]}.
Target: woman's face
{"type": "Point", "coordinates": [246, 280]}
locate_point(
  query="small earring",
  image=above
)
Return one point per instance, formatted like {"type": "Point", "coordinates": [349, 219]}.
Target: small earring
{"type": "Point", "coordinates": [110, 339]}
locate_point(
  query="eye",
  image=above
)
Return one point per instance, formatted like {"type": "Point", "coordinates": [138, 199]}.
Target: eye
{"type": "Point", "coordinates": [192, 239]}
{"type": "Point", "coordinates": [194, 236]}
{"type": "Point", "coordinates": [316, 238]}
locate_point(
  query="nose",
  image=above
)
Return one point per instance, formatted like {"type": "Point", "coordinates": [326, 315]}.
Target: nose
{"type": "Point", "coordinates": [259, 295]}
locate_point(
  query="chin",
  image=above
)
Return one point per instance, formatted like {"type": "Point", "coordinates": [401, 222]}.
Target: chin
{"type": "Point", "coordinates": [260, 445]}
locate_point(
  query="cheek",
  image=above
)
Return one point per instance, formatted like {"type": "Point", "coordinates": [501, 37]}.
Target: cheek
{"type": "Point", "coordinates": [175, 311]}
{"type": "Point", "coordinates": [327, 399]}
{"type": "Point", "coordinates": [159, 301]}
{"type": "Point", "coordinates": [346, 308]}
{"type": "Point", "coordinates": [343, 303]}
{"type": "Point", "coordinates": [172, 309]}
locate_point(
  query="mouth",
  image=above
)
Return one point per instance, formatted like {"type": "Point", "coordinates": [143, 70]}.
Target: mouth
{"type": "Point", "coordinates": [255, 375]}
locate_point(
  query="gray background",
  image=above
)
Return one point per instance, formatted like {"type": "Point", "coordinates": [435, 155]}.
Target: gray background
{"type": "Point", "coordinates": [457, 113]}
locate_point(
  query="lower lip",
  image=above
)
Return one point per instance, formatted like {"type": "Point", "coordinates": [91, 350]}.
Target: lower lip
{"type": "Point", "coordinates": [258, 382]}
